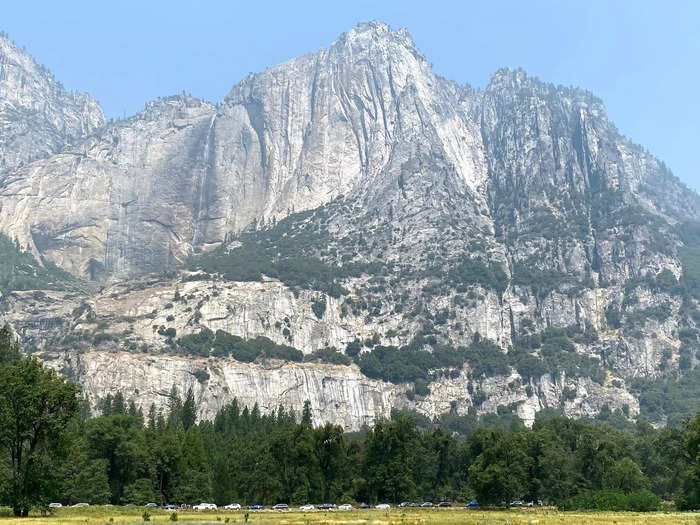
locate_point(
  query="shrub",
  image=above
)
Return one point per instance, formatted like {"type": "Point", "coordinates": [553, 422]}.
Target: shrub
{"type": "Point", "coordinates": [613, 500]}
{"type": "Point", "coordinates": [329, 355]}
{"type": "Point", "coordinates": [201, 375]}
{"type": "Point", "coordinates": [319, 307]}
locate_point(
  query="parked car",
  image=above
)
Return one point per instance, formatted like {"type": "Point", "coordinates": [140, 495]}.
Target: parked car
{"type": "Point", "coordinates": [516, 503]}
{"type": "Point", "coordinates": [326, 506]}
{"type": "Point", "coordinates": [473, 504]}
{"type": "Point", "coordinates": [404, 504]}
{"type": "Point", "coordinates": [307, 507]}
{"type": "Point", "coordinates": [80, 505]}
{"type": "Point", "coordinates": [171, 507]}
{"type": "Point", "coordinates": [233, 506]}
{"type": "Point", "coordinates": [383, 506]}
{"type": "Point", "coordinates": [256, 507]}
{"type": "Point", "coordinates": [281, 506]}
{"type": "Point", "coordinates": [530, 504]}
{"type": "Point", "coordinates": [444, 504]}
{"type": "Point", "coordinates": [412, 504]}
{"type": "Point", "coordinates": [426, 504]}
{"type": "Point", "coordinates": [55, 505]}
{"type": "Point", "coordinates": [151, 505]}
{"type": "Point", "coordinates": [205, 506]}
{"type": "Point", "coordinates": [363, 506]}
{"type": "Point", "coordinates": [345, 506]}
{"type": "Point", "coordinates": [539, 502]}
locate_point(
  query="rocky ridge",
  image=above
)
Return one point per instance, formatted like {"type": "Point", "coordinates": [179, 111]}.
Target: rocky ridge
{"type": "Point", "coordinates": [38, 117]}
{"type": "Point", "coordinates": [429, 211]}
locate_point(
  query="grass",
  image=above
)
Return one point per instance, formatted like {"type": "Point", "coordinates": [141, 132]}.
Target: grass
{"type": "Point", "coordinates": [455, 516]}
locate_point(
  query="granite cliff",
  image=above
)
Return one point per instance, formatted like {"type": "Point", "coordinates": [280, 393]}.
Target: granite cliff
{"type": "Point", "coordinates": [351, 204]}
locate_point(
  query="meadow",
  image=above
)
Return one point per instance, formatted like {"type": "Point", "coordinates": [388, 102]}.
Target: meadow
{"type": "Point", "coordinates": [456, 516]}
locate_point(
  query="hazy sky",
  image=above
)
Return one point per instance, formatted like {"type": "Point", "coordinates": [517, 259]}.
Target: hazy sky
{"type": "Point", "coordinates": [641, 57]}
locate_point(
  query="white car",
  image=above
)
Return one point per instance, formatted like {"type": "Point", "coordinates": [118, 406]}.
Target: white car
{"type": "Point", "coordinates": [205, 506]}
{"type": "Point", "coordinates": [306, 507]}
{"type": "Point", "coordinates": [55, 505]}
{"type": "Point", "coordinates": [80, 505]}
{"type": "Point", "coordinates": [383, 506]}
{"type": "Point", "coordinates": [345, 506]}
{"type": "Point", "coordinates": [233, 506]}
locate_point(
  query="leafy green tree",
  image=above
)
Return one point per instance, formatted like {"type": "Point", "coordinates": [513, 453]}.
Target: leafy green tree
{"type": "Point", "coordinates": [139, 492]}
{"type": "Point", "coordinates": [500, 472]}
{"type": "Point", "coordinates": [331, 451]}
{"type": "Point", "coordinates": [390, 448]}
{"type": "Point", "coordinates": [690, 496]}
{"type": "Point", "coordinates": [625, 475]}
{"type": "Point", "coordinates": [193, 482]}
{"type": "Point", "coordinates": [88, 483]}
{"type": "Point", "coordinates": [165, 451]}
{"type": "Point", "coordinates": [9, 348]}
{"type": "Point", "coordinates": [36, 404]}
{"type": "Point", "coordinates": [121, 441]}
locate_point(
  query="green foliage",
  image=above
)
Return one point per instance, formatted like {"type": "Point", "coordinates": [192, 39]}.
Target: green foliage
{"type": "Point", "coordinates": [472, 271]}
{"type": "Point", "coordinates": [670, 398]}
{"type": "Point", "coordinates": [139, 492]}
{"type": "Point", "coordinates": [287, 252]}
{"type": "Point", "coordinates": [613, 316]}
{"type": "Point", "coordinates": [614, 500]}
{"type": "Point", "coordinates": [486, 359]}
{"type": "Point", "coordinates": [499, 473]}
{"type": "Point", "coordinates": [408, 363]}
{"type": "Point", "coordinates": [690, 494]}
{"type": "Point", "coordinates": [319, 307]}
{"type": "Point", "coordinates": [36, 404]}
{"type": "Point", "coordinates": [557, 353]}
{"type": "Point", "coordinates": [542, 282]}
{"type": "Point", "coordinates": [625, 475]}
{"type": "Point", "coordinates": [249, 456]}
{"type": "Point", "coordinates": [222, 344]}
{"type": "Point", "coordinates": [19, 270]}
{"type": "Point", "coordinates": [328, 355]}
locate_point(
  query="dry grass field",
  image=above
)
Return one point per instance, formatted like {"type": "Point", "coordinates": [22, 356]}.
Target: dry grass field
{"type": "Point", "coordinates": [456, 516]}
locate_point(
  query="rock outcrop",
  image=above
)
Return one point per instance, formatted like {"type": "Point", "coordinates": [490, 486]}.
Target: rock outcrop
{"type": "Point", "coordinates": [38, 117]}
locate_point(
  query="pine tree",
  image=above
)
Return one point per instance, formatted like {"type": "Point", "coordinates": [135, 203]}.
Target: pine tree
{"type": "Point", "coordinates": [306, 417]}
{"type": "Point", "coordinates": [189, 410]}
{"type": "Point", "coordinates": [175, 414]}
{"type": "Point", "coordinates": [118, 404]}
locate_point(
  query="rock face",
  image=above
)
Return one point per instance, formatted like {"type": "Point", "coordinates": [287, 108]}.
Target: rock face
{"type": "Point", "coordinates": [37, 116]}
{"type": "Point", "coordinates": [441, 213]}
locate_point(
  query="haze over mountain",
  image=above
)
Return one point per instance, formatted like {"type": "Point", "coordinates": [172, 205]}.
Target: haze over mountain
{"type": "Point", "coordinates": [398, 240]}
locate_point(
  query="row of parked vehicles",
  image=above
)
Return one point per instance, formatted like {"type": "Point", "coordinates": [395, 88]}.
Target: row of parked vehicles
{"type": "Point", "coordinates": [308, 507]}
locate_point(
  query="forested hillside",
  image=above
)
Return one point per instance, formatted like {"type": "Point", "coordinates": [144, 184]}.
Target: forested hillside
{"type": "Point", "coordinates": [124, 456]}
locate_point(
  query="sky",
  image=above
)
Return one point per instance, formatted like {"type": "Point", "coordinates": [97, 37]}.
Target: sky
{"type": "Point", "coordinates": [642, 57]}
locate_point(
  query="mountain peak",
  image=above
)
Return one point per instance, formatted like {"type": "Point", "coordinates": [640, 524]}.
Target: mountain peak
{"type": "Point", "coordinates": [366, 34]}
{"type": "Point", "coordinates": [38, 116]}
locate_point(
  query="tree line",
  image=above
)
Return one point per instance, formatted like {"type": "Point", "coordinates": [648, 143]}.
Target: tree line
{"type": "Point", "coordinates": [53, 449]}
